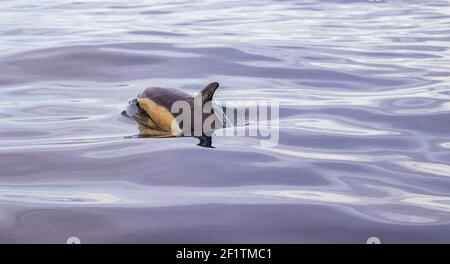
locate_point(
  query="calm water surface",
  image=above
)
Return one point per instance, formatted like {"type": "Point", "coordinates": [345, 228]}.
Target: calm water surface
{"type": "Point", "coordinates": [364, 150]}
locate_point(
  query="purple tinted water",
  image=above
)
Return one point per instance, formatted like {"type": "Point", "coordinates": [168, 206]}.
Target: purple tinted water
{"type": "Point", "coordinates": [364, 146]}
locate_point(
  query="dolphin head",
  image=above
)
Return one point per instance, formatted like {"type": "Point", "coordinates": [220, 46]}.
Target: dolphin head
{"type": "Point", "coordinates": [135, 111]}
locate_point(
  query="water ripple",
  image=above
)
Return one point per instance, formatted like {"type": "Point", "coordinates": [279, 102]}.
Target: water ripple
{"type": "Point", "coordinates": [132, 195]}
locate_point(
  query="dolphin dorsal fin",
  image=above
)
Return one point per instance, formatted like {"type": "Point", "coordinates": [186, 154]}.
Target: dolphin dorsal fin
{"type": "Point", "coordinates": [207, 93]}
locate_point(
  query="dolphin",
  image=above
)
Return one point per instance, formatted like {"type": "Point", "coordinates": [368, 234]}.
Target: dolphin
{"type": "Point", "coordinates": [169, 112]}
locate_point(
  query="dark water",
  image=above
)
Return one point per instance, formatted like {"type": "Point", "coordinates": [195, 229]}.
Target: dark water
{"type": "Point", "coordinates": [364, 146]}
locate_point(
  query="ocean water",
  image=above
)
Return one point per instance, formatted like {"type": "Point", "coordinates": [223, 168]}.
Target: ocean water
{"type": "Point", "coordinates": [364, 129]}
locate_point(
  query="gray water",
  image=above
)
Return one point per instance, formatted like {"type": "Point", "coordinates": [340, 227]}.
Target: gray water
{"type": "Point", "coordinates": [364, 143]}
